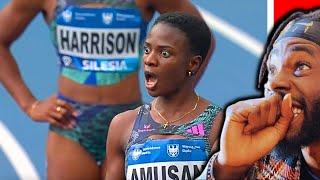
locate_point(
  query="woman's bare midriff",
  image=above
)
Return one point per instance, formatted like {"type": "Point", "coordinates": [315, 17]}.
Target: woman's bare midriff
{"type": "Point", "coordinates": [125, 92]}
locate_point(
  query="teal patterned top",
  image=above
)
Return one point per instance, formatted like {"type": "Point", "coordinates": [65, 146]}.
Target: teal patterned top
{"type": "Point", "coordinates": [97, 78]}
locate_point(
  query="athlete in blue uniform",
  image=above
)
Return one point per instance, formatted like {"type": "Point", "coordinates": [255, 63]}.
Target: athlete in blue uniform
{"type": "Point", "coordinates": [97, 44]}
{"type": "Point", "coordinates": [173, 136]}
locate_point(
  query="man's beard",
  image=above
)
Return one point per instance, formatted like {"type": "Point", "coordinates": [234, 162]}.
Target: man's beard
{"type": "Point", "coordinates": [309, 133]}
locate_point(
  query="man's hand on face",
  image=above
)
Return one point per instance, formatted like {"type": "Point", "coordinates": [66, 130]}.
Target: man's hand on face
{"type": "Point", "coordinates": [253, 128]}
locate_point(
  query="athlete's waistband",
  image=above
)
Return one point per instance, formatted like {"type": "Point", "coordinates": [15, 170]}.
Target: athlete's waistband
{"type": "Point", "coordinates": [73, 101]}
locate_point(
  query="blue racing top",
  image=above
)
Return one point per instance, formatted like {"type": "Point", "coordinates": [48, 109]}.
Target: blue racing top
{"type": "Point", "coordinates": [98, 46]}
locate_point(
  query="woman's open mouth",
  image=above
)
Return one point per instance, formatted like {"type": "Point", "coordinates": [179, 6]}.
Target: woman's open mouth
{"type": "Point", "coordinates": [150, 80]}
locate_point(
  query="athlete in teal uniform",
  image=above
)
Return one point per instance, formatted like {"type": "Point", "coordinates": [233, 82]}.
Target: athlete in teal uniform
{"type": "Point", "coordinates": [97, 47]}
{"type": "Point", "coordinates": [97, 44]}
{"type": "Point", "coordinates": [174, 135]}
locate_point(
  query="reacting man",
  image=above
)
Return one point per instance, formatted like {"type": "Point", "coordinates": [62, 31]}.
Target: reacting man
{"type": "Point", "coordinates": [278, 136]}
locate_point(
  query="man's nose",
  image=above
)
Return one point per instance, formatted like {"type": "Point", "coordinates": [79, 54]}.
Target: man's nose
{"type": "Point", "coordinates": [280, 83]}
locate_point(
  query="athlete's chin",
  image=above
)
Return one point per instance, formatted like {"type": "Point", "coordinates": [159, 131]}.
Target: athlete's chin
{"type": "Point", "coordinates": [151, 88]}
{"type": "Point", "coordinates": [152, 92]}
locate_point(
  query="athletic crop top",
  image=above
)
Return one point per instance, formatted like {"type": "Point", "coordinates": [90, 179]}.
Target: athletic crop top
{"type": "Point", "coordinates": [148, 158]}
{"type": "Point", "coordinates": [98, 46]}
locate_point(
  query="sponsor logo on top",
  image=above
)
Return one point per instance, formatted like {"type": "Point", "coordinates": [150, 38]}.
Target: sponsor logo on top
{"type": "Point", "coordinates": [107, 18]}
{"type": "Point", "coordinates": [173, 150]}
{"type": "Point", "coordinates": [66, 60]}
{"type": "Point", "coordinates": [67, 15]}
{"type": "Point", "coordinates": [136, 153]}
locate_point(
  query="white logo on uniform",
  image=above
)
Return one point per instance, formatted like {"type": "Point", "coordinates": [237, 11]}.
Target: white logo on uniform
{"type": "Point", "coordinates": [107, 17]}
{"type": "Point", "coordinates": [67, 15]}
{"type": "Point", "coordinates": [66, 60]}
{"type": "Point", "coordinates": [173, 150]}
{"type": "Point", "coordinates": [136, 154]}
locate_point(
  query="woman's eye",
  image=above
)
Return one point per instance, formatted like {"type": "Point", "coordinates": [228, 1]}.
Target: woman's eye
{"type": "Point", "coordinates": [165, 54]}
{"type": "Point", "coordinates": [146, 50]}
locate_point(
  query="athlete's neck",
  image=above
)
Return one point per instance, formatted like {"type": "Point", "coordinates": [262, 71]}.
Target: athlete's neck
{"type": "Point", "coordinates": [175, 105]}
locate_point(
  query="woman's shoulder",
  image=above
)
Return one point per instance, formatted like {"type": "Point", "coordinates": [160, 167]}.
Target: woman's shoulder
{"type": "Point", "coordinates": [129, 115]}
{"type": "Point", "coordinates": [208, 104]}
{"type": "Point", "coordinates": [121, 125]}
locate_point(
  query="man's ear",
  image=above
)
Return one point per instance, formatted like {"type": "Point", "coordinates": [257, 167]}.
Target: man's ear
{"type": "Point", "coordinates": [194, 64]}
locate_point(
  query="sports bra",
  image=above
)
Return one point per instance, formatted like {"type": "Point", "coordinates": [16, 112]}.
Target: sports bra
{"type": "Point", "coordinates": [148, 158]}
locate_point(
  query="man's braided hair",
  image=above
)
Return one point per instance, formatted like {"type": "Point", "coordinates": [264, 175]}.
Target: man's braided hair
{"type": "Point", "coordinates": [293, 16]}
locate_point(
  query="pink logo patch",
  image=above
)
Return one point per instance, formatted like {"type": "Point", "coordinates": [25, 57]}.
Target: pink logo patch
{"type": "Point", "coordinates": [197, 130]}
{"type": "Point", "coordinates": [147, 126]}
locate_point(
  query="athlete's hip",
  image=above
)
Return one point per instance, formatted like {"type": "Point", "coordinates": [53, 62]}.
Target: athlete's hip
{"type": "Point", "coordinates": [125, 92]}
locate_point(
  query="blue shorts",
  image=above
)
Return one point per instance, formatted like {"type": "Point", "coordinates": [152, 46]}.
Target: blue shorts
{"type": "Point", "coordinates": [92, 125]}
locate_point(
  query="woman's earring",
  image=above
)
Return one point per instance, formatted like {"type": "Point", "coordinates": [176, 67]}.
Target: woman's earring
{"type": "Point", "coordinates": [189, 73]}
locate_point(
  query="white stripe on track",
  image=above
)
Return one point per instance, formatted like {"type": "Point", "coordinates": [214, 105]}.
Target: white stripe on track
{"type": "Point", "coordinates": [270, 15]}
{"type": "Point", "coordinates": [16, 155]}
{"type": "Point", "coordinates": [232, 33]}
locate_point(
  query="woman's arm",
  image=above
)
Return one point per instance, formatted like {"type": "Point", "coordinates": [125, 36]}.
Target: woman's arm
{"type": "Point", "coordinates": [14, 18]}
{"type": "Point", "coordinates": [118, 136]}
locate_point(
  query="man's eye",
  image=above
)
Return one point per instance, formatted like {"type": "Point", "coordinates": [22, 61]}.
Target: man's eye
{"type": "Point", "coordinates": [146, 50]}
{"type": "Point", "coordinates": [165, 54]}
{"type": "Point", "coordinates": [301, 68]}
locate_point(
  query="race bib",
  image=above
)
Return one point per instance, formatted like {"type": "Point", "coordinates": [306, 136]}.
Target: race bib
{"type": "Point", "coordinates": [99, 39]}
{"type": "Point", "coordinates": [166, 159]}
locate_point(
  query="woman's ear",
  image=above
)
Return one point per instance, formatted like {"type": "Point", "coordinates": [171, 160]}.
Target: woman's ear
{"type": "Point", "coordinates": [194, 64]}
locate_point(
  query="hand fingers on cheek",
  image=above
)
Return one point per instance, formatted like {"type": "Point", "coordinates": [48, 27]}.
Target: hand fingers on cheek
{"type": "Point", "coordinates": [253, 120]}
{"type": "Point", "coordinates": [286, 107]}
{"type": "Point", "coordinates": [260, 120]}
{"type": "Point", "coordinates": [274, 113]}
{"type": "Point", "coordinates": [264, 110]}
